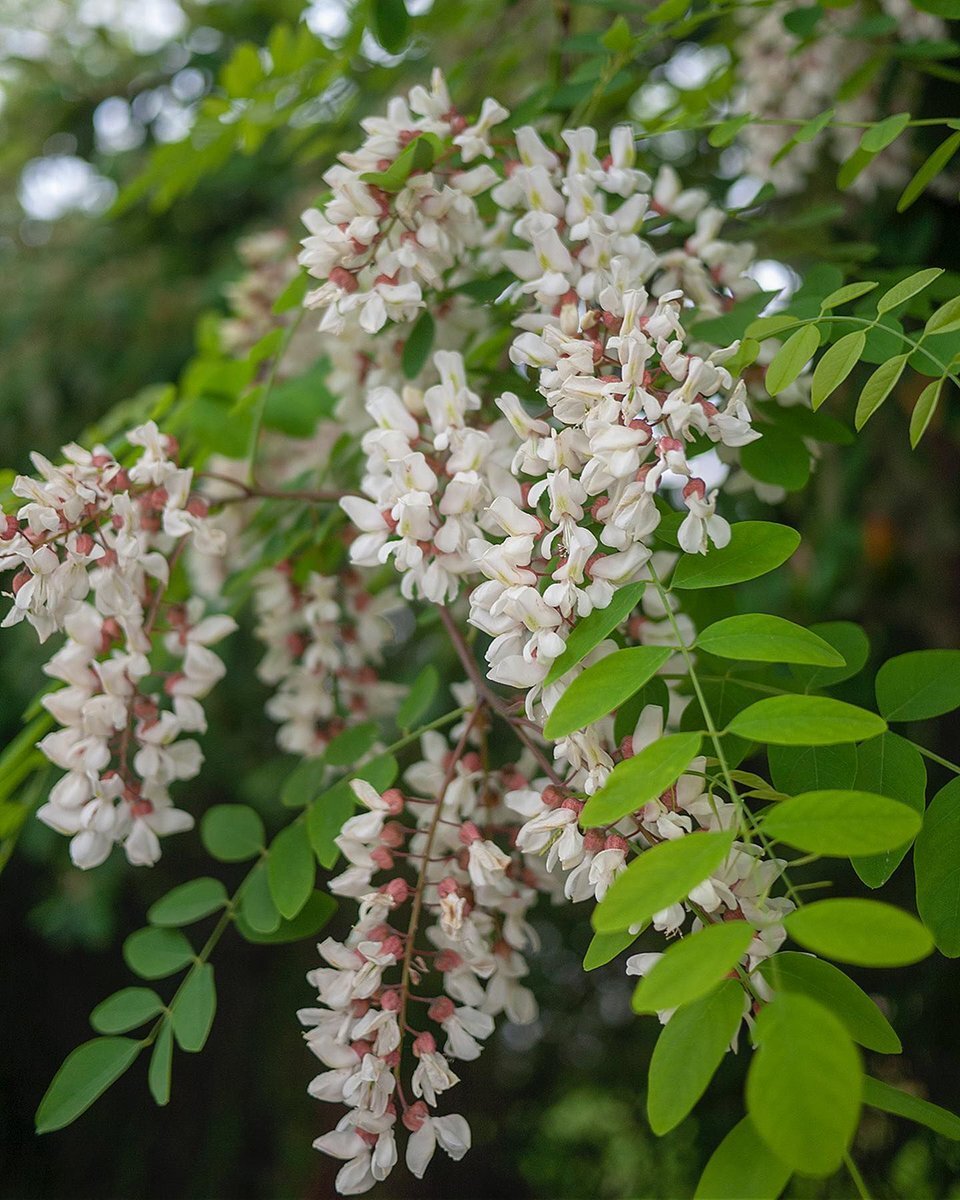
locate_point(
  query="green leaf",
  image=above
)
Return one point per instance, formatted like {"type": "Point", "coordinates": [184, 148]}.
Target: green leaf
{"type": "Point", "coordinates": [666, 10]}
{"type": "Point", "coordinates": [806, 721]}
{"type": "Point", "coordinates": [687, 1054]}
{"type": "Point", "coordinates": [755, 548]}
{"type": "Point", "coordinates": [587, 634]}
{"type": "Point", "coordinates": [618, 39]}
{"type": "Point", "coordinates": [808, 768]}
{"type": "Point", "coordinates": [918, 685]}
{"type": "Point", "coordinates": [789, 971]}
{"type": "Point", "coordinates": [603, 687]}
{"type": "Point", "coordinates": [189, 902]}
{"type": "Point", "coordinates": [232, 832]}
{"type": "Point", "coordinates": [194, 1009]}
{"type": "Point", "coordinates": [660, 877]}
{"type": "Point", "coordinates": [761, 638]}
{"type": "Point", "coordinates": [791, 358]}
{"type": "Point", "coordinates": [325, 819]}
{"type": "Point", "coordinates": [891, 766]}
{"type": "Point", "coordinates": [841, 823]}
{"type": "Point", "coordinates": [390, 24]}
{"type": "Point", "coordinates": [724, 133]}
{"type": "Point", "coordinates": [347, 747]}
{"type": "Point", "coordinates": [923, 411]}
{"type": "Point", "coordinates": [806, 133]}
{"type": "Point", "coordinates": [850, 291]}
{"type": "Point", "coordinates": [804, 1084]}
{"type": "Point", "coordinates": [303, 782]}
{"type": "Point", "coordinates": [604, 948]}
{"type": "Point", "coordinates": [853, 166]}
{"type": "Point", "coordinates": [743, 1167]}
{"type": "Point", "coordinates": [892, 1100]}
{"type": "Point", "coordinates": [127, 1009]}
{"type": "Point", "coordinates": [635, 781]}
{"type": "Point", "coordinates": [946, 319]}
{"type": "Point", "coordinates": [161, 1064]}
{"type": "Point", "coordinates": [879, 136]}
{"type": "Point", "coordinates": [293, 294]}
{"type": "Point", "coordinates": [778, 457]}
{"type": "Point", "coordinates": [256, 904]}
{"type": "Point", "coordinates": [418, 157]}
{"type": "Point", "coordinates": [878, 387]}
{"type": "Point", "coordinates": [85, 1075]}
{"type": "Point", "coordinates": [936, 862]}
{"type": "Point", "coordinates": [419, 343]}
{"type": "Point", "coordinates": [326, 815]}
{"type": "Point", "coordinates": [901, 292]}
{"type": "Point", "coordinates": [865, 933]}
{"type": "Point", "coordinates": [419, 698]}
{"type": "Point", "coordinates": [291, 870]}
{"type": "Point", "coordinates": [845, 637]}
{"type": "Point", "coordinates": [836, 365]}
{"type": "Point", "coordinates": [693, 966]}
{"type": "Point", "coordinates": [155, 953]}
{"type": "Point", "coordinates": [764, 327]}
{"type": "Point", "coordinates": [307, 923]}
{"type": "Point", "coordinates": [929, 171]}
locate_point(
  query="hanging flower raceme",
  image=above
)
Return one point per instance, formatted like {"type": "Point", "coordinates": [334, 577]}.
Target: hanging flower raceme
{"type": "Point", "coordinates": [325, 637]}
{"type": "Point", "coordinates": [434, 956]}
{"type": "Point", "coordinates": [92, 550]}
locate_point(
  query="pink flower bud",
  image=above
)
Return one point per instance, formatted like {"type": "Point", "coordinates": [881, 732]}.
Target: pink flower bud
{"type": "Point", "coordinates": [424, 1043]}
{"type": "Point", "coordinates": [469, 833]}
{"type": "Point", "coordinates": [442, 1009]}
{"type": "Point", "coordinates": [415, 1116]}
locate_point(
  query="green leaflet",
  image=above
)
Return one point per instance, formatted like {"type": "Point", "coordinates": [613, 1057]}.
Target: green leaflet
{"type": "Point", "coordinates": [659, 877]}
{"type": "Point", "coordinates": [125, 1010]}
{"type": "Point", "coordinates": [688, 1052]}
{"type": "Point", "coordinates": [232, 832]}
{"type": "Point", "coordinates": [844, 823]}
{"type": "Point", "coordinates": [936, 862]}
{"type": "Point", "coordinates": [291, 869]}
{"type": "Point", "coordinates": [793, 972]}
{"type": "Point", "coordinates": [918, 685]}
{"type": "Point", "coordinates": [806, 721]}
{"type": "Point", "coordinates": [755, 548]}
{"type": "Point", "coordinates": [635, 781]}
{"type": "Point", "coordinates": [693, 966]}
{"type": "Point", "coordinates": [762, 638]}
{"type": "Point", "coordinates": [865, 933]}
{"type": "Point", "coordinates": [603, 687]}
{"type": "Point", "coordinates": [591, 631]}
{"type": "Point", "coordinates": [743, 1167]}
{"type": "Point", "coordinates": [86, 1073]}
{"type": "Point", "coordinates": [188, 903]}
{"type": "Point", "coordinates": [804, 1084]}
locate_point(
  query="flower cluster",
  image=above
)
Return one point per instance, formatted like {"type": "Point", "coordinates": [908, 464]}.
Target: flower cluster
{"type": "Point", "coordinates": [784, 78]}
{"type": "Point", "coordinates": [430, 478]}
{"type": "Point", "coordinates": [92, 550]}
{"type": "Point", "coordinates": [439, 851]}
{"type": "Point", "coordinates": [625, 399]}
{"type": "Point", "coordinates": [325, 637]}
{"type": "Point", "coordinates": [376, 249]}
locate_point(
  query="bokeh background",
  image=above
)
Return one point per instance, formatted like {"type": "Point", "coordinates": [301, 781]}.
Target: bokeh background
{"type": "Point", "coordinates": [99, 301]}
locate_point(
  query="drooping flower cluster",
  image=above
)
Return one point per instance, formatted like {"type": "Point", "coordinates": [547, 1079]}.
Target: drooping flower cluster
{"type": "Point", "coordinates": [325, 637]}
{"type": "Point", "coordinates": [376, 245]}
{"type": "Point", "coordinates": [434, 860]}
{"type": "Point", "coordinates": [783, 76]}
{"type": "Point", "coordinates": [430, 479]}
{"type": "Point", "coordinates": [625, 399]}
{"type": "Point", "coordinates": [92, 550]}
